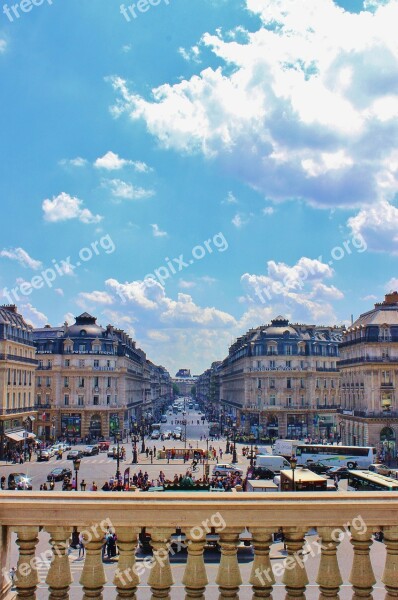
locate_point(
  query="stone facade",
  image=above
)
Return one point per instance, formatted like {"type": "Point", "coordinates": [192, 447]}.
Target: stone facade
{"type": "Point", "coordinates": [369, 376]}
{"type": "Point", "coordinates": [17, 376]}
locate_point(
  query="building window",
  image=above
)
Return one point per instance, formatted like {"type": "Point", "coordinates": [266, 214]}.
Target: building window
{"type": "Point", "coordinates": [272, 400]}
{"type": "Point", "coordinates": [289, 383]}
{"type": "Point", "coordinates": [272, 383]}
{"type": "Point", "coordinates": [40, 365]}
{"type": "Point", "coordinates": [96, 381]}
{"type": "Point", "coordinates": [80, 400]}
{"type": "Point", "coordinates": [109, 382]}
{"type": "Point", "coordinates": [81, 364]}
{"type": "Point", "coordinates": [82, 347]}
{"type": "Point", "coordinates": [38, 382]}
{"type": "Point", "coordinates": [288, 350]}
{"type": "Point", "coordinates": [96, 364]}
{"type": "Point", "coordinates": [272, 364]}
{"type": "Point", "coordinates": [288, 364]}
{"type": "Point", "coordinates": [66, 400]}
{"type": "Point", "coordinates": [67, 362]}
{"type": "Point", "coordinates": [66, 381]}
{"type": "Point", "coordinates": [96, 400]}
{"type": "Point", "coordinates": [288, 400]}
{"type": "Point", "coordinates": [325, 383]}
{"type": "Point", "coordinates": [108, 400]}
{"type": "Point", "coordinates": [302, 399]}
{"type": "Point", "coordinates": [317, 383]}
{"type": "Point", "coordinates": [81, 382]}
{"type": "Point", "coordinates": [38, 399]}
{"type": "Point", "coordinates": [108, 363]}
{"type": "Point", "coordinates": [302, 384]}
{"type": "Point", "coordinates": [259, 384]}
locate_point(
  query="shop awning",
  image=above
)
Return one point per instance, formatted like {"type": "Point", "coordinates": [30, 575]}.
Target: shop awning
{"type": "Point", "coordinates": [18, 436]}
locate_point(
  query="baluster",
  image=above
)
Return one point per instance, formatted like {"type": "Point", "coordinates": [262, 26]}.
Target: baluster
{"type": "Point", "coordinates": [228, 576]}
{"type": "Point", "coordinates": [329, 577]}
{"type": "Point", "coordinates": [160, 579]}
{"type": "Point", "coordinates": [262, 577]}
{"type": "Point", "coordinates": [26, 578]}
{"type": "Point", "coordinates": [59, 576]}
{"type": "Point", "coordinates": [362, 576]}
{"type": "Point", "coordinates": [195, 576]}
{"type": "Point", "coordinates": [390, 575]}
{"type": "Point", "coordinates": [93, 576]}
{"type": "Point", "coordinates": [126, 579]}
{"type": "Point", "coordinates": [295, 576]}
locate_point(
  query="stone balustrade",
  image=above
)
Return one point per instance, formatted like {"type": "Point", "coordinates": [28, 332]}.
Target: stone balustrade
{"type": "Point", "coordinates": [198, 516]}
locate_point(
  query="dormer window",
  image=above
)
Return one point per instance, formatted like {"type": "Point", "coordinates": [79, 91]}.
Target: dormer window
{"type": "Point", "coordinates": [83, 332]}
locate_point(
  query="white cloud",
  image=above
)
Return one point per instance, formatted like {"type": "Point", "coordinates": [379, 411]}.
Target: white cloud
{"type": "Point", "coordinates": [112, 162]}
{"type": "Point", "coordinates": [3, 46]}
{"type": "Point", "coordinates": [22, 257]}
{"type": "Point", "coordinates": [96, 297]}
{"type": "Point", "coordinates": [33, 316]}
{"type": "Point", "coordinates": [65, 207]}
{"type": "Point", "coordinates": [74, 162]}
{"type": "Point", "coordinates": [378, 226]}
{"type": "Point", "coordinates": [68, 318]}
{"type": "Point", "coordinates": [192, 54]}
{"type": "Point", "coordinates": [157, 232]}
{"type": "Point", "coordinates": [305, 108]}
{"type": "Point", "coordinates": [390, 286]}
{"type": "Point", "coordinates": [239, 220]}
{"type": "Point", "coordinates": [126, 191]}
{"type": "Point", "coordinates": [230, 199]}
{"type": "Point", "coordinates": [59, 291]}
{"type": "Point", "coordinates": [186, 285]}
{"type": "Point", "coordinates": [268, 210]}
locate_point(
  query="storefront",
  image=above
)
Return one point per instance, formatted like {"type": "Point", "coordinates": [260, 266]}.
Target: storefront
{"type": "Point", "coordinates": [71, 425]}
{"type": "Point", "coordinates": [297, 426]}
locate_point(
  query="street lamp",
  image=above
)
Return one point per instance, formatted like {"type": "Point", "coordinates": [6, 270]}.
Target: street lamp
{"type": "Point", "coordinates": [251, 449]}
{"type": "Point", "coordinates": [293, 465]}
{"type": "Point", "coordinates": [143, 435]}
{"type": "Point", "coordinates": [234, 456]}
{"type": "Point", "coordinates": [135, 457]}
{"type": "Point", "coordinates": [117, 439]}
{"type": "Point", "coordinates": [76, 466]}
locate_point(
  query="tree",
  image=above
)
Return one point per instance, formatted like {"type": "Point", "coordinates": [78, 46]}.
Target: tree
{"type": "Point", "coordinates": [193, 391]}
{"type": "Point", "coordinates": [176, 390]}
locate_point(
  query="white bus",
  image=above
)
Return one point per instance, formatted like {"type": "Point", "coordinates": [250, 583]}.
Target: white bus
{"type": "Point", "coordinates": [336, 456]}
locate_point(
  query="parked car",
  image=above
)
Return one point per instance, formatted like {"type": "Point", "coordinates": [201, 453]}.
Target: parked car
{"type": "Point", "coordinates": [43, 455]}
{"type": "Point", "coordinates": [177, 435]}
{"type": "Point", "coordinates": [59, 473]}
{"type": "Point", "coordinates": [155, 435]}
{"type": "Point", "coordinates": [112, 452]}
{"type": "Point", "coordinates": [380, 469]}
{"type": "Point", "coordinates": [74, 454]}
{"type": "Point", "coordinates": [19, 481]}
{"type": "Point", "coordinates": [225, 468]}
{"type": "Point", "coordinates": [342, 472]}
{"type": "Point", "coordinates": [91, 450]}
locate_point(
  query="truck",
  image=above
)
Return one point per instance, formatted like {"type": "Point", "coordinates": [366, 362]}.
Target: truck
{"type": "Point", "coordinates": [286, 448]}
{"type": "Point", "coordinates": [271, 462]}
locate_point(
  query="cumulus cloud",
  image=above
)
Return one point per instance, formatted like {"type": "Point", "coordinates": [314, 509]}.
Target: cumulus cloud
{"type": "Point", "coordinates": [22, 257]}
{"type": "Point", "coordinates": [33, 316]}
{"type": "Point", "coordinates": [73, 162]}
{"type": "Point", "coordinates": [113, 162]}
{"type": "Point", "coordinates": [378, 226]}
{"type": "Point", "coordinates": [96, 297]}
{"type": "Point", "coordinates": [305, 107]}
{"type": "Point", "coordinates": [122, 190]}
{"type": "Point", "coordinates": [65, 207]}
{"type": "Point", "coordinates": [3, 46]}
{"type": "Point", "coordinates": [157, 232]}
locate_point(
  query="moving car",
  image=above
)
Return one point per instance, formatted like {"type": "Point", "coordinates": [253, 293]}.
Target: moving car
{"type": "Point", "coordinates": [317, 467]}
{"type": "Point", "coordinates": [271, 462]}
{"type": "Point", "coordinates": [74, 454]}
{"type": "Point", "coordinates": [166, 435]}
{"type": "Point", "coordinates": [341, 472]}
{"type": "Point", "coordinates": [59, 473]}
{"type": "Point", "coordinates": [43, 455]}
{"type": "Point", "coordinates": [155, 435]}
{"type": "Point", "coordinates": [225, 469]}
{"type": "Point", "coordinates": [380, 469]}
{"type": "Point", "coordinates": [260, 472]}
{"type": "Point", "coordinates": [91, 450]}
{"type": "Point", "coordinates": [19, 481]}
{"type": "Point", "coordinates": [177, 435]}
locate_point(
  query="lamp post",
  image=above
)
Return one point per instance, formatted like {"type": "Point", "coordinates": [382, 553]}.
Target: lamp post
{"type": "Point", "coordinates": [386, 406]}
{"type": "Point", "coordinates": [143, 435]}
{"type": "Point", "coordinates": [76, 466]}
{"type": "Point", "coordinates": [117, 440]}
{"type": "Point", "coordinates": [227, 446]}
{"type": "Point", "coordinates": [135, 456]}
{"type": "Point", "coordinates": [234, 456]}
{"type": "Point", "coordinates": [293, 465]}
{"type": "Point", "coordinates": [251, 449]}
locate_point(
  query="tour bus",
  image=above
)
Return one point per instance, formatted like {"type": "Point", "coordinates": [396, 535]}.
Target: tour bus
{"type": "Point", "coordinates": [336, 456]}
{"type": "Point", "coordinates": [371, 482]}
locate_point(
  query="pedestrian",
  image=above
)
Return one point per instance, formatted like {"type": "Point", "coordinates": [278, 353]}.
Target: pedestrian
{"type": "Point", "coordinates": [83, 485]}
{"type": "Point", "coordinates": [12, 574]}
{"type": "Point", "coordinates": [93, 487]}
{"type": "Point", "coordinates": [81, 546]}
{"type": "Point", "coordinates": [3, 482]}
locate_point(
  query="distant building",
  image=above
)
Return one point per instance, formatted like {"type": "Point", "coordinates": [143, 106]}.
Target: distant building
{"type": "Point", "coordinates": [282, 380]}
{"type": "Point", "coordinates": [369, 379]}
{"type": "Point", "coordinates": [17, 375]}
{"type": "Point", "coordinates": [183, 373]}
{"type": "Point", "coordinates": [89, 380]}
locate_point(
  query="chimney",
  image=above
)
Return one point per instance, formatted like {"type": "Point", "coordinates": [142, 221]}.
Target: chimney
{"type": "Point", "coordinates": [391, 298]}
{"type": "Point", "coordinates": [10, 307]}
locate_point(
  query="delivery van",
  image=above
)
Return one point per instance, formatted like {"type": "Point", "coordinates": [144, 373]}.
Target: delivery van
{"type": "Point", "coordinates": [273, 463]}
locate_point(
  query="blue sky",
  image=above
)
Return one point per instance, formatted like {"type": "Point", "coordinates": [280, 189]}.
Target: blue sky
{"type": "Point", "coordinates": [209, 164]}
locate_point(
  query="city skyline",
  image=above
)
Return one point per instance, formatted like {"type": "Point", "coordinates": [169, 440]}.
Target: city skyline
{"type": "Point", "coordinates": [189, 173]}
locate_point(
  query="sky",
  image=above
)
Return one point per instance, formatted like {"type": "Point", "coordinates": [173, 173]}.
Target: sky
{"type": "Point", "coordinates": [189, 169]}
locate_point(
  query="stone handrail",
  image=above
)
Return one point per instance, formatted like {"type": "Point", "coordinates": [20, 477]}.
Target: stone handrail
{"type": "Point", "coordinates": [197, 515]}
